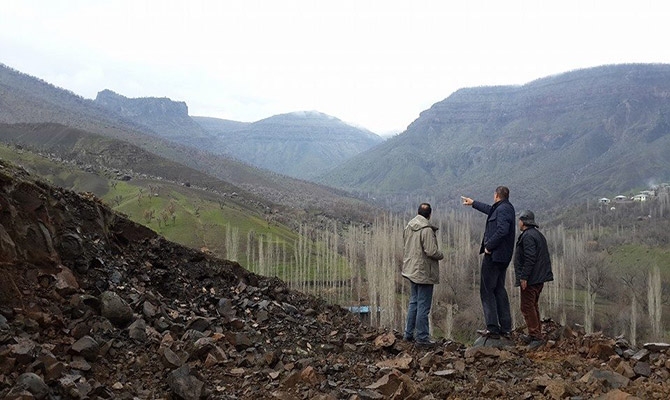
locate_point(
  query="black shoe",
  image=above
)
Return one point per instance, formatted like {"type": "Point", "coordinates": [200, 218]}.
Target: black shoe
{"type": "Point", "coordinates": [535, 343]}
{"type": "Point", "coordinates": [408, 338]}
{"type": "Point", "coordinates": [487, 333]}
{"type": "Point", "coordinates": [426, 343]}
{"type": "Point", "coordinates": [525, 339]}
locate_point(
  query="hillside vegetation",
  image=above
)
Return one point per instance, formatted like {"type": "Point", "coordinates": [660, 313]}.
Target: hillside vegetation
{"type": "Point", "coordinates": [234, 225]}
{"type": "Point", "coordinates": [552, 141]}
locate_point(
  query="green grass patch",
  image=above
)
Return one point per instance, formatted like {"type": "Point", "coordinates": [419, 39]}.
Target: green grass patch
{"type": "Point", "coordinates": [196, 218]}
{"type": "Point", "coordinates": [636, 257]}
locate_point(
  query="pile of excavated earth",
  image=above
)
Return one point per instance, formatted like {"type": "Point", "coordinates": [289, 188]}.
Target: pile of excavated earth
{"type": "Point", "coordinates": [94, 306]}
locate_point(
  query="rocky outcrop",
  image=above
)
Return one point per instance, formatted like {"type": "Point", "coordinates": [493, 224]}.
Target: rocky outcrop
{"type": "Point", "coordinates": [143, 106]}
{"type": "Point", "coordinates": [163, 116]}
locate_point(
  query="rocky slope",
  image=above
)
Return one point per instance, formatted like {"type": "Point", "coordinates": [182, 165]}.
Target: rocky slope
{"type": "Point", "coordinates": [93, 306]}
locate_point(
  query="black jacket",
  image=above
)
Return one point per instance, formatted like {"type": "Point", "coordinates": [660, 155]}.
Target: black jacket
{"type": "Point", "coordinates": [500, 230]}
{"type": "Point", "coordinates": [532, 262]}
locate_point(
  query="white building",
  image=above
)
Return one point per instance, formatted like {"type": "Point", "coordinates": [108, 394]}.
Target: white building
{"type": "Point", "coordinates": [641, 197]}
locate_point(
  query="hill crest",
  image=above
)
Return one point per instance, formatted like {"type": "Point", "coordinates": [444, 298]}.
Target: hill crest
{"type": "Point", "coordinates": [571, 135]}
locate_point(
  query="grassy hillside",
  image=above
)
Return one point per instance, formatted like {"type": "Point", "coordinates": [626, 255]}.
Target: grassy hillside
{"type": "Point", "coordinates": [231, 227]}
{"type": "Point", "coordinates": [134, 197]}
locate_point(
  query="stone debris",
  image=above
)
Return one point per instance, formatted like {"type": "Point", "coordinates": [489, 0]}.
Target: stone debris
{"type": "Point", "coordinates": [125, 314]}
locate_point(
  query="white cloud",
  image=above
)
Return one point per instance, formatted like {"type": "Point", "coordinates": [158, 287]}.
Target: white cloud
{"type": "Point", "coordinates": [376, 64]}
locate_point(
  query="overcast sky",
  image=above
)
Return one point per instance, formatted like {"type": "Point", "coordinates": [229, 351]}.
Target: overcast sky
{"type": "Point", "coordinates": [375, 64]}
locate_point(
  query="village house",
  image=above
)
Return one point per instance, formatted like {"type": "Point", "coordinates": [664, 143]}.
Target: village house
{"type": "Point", "coordinates": [640, 197]}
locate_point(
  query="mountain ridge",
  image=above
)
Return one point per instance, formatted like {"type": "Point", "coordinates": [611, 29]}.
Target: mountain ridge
{"type": "Point", "coordinates": [301, 144]}
{"type": "Point", "coordinates": [30, 100]}
{"type": "Point", "coordinates": [575, 134]}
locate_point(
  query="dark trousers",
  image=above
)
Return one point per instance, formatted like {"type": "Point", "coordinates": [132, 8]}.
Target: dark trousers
{"type": "Point", "coordinates": [530, 309]}
{"type": "Point", "coordinates": [495, 302]}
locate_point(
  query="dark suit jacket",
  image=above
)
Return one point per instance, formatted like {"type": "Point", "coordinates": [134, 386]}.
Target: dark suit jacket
{"type": "Point", "coordinates": [500, 230]}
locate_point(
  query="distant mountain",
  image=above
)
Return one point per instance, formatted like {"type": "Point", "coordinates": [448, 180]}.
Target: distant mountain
{"type": "Point", "coordinates": [590, 132]}
{"type": "Point", "coordinates": [219, 126]}
{"type": "Point", "coordinates": [25, 99]}
{"type": "Point", "coordinates": [299, 144]}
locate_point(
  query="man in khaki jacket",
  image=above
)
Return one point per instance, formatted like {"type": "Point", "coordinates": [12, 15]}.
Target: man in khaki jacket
{"type": "Point", "coordinates": [420, 267]}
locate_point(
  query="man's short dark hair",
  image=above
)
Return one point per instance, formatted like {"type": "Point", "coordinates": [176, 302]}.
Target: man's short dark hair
{"type": "Point", "coordinates": [502, 192]}
{"type": "Point", "coordinates": [425, 210]}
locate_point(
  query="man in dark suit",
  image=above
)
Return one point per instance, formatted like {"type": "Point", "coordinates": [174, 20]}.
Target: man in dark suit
{"type": "Point", "coordinates": [497, 246]}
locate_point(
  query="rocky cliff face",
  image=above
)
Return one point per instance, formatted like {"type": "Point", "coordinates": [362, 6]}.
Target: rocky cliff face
{"type": "Point", "coordinates": [145, 106]}
{"type": "Point", "coordinates": [94, 306]}
{"type": "Point", "coordinates": [165, 117]}
{"type": "Point", "coordinates": [573, 135]}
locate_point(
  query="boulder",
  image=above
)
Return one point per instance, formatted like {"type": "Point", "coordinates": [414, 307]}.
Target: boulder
{"type": "Point", "coordinates": [115, 309]}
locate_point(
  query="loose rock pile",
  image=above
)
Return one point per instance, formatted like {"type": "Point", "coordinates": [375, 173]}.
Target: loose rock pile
{"type": "Point", "coordinates": [93, 306]}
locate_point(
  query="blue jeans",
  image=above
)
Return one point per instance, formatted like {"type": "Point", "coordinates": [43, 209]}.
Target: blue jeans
{"type": "Point", "coordinates": [420, 300]}
{"type": "Point", "coordinates": [495, 302]}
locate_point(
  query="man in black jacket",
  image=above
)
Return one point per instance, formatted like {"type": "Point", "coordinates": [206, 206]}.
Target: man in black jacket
{"type": "Point", "coordinates": [532, 267]}
{"type": "Point", "coordinates": [497, 247]}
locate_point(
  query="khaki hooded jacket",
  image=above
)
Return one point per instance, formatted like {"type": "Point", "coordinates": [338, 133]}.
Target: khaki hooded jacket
{"type": "Point", "coordinates": [421, 255]}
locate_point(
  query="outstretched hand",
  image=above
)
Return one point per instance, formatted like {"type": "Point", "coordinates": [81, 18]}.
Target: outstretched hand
{"type": "Point", "coordinates": [467, 201]}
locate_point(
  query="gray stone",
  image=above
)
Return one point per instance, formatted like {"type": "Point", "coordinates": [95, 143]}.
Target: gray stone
{"type": "Point", "coordinates": [34, 384]}
{"type": "Point", "coordinates": [184, 385]}
{"type": "Point", "coordinates": [641, 355]}
{"type": "Point", "coordinates": [80, 364]}
{"type": "Point", "coordinates": [138, 330]}
{"type": "Point", "coordinates": [3, 323]}
{"type": "Point", "coordinates": [642, 369]}
{"type": "Point", "coordinates": [23, 351]}
{"type": "Point", "coordinates": [87, 347]}
{"type": "Point", "coordinates": [289, 308]}
{"type": "Point", "coordinates": [613, 379]}
{"type": "Point", "coordinates": [115, 309]}
{"type": "Point", "coordinates": [169, 358]}
{"type": "Point", "coordinates": [199, 324]}
{"type": "Point", "coordinates": [192, 335]}
{"type": "Point", "coordinates": [628, 354]}
{"type": "Point", "coordinates": [657, 347]}
{"type": "Point", "coordinates": [149, 310]}
{"type": "Point", "coordinates": [201, 347]}
{"type": "Point", "coordinates": [225, 309]}
{"type": "Point", "coordinates": [116, 277]}
{"type": "Point", "coordinates": [66, 282]}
